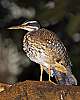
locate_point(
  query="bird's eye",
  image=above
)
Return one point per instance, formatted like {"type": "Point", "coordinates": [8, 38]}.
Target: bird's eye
{"type": "Point", "coordinates": [31, 24]}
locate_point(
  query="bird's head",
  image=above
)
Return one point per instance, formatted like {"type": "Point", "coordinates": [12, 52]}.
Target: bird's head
{"type": "Point", "coordinates": [29, 26]}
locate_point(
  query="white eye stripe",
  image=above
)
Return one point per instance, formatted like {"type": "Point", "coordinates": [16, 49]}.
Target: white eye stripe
{"type": "Point", "coordinates": [29, 22]}
{"type": "Point", "coordinates": [32, 22]}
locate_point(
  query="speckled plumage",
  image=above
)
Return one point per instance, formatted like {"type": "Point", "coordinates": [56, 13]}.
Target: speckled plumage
{"type": "Point", "coordinates": [45, 48]}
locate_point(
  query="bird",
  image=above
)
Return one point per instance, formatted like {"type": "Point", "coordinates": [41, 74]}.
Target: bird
{"type": "Point", "coordinates": [46, 48]}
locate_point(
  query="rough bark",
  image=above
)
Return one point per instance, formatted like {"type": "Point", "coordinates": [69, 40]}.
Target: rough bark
{"type": "Point", "coordinates": [36, 90]}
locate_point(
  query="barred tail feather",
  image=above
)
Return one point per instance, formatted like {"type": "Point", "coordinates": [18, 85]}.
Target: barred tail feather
{"type": "Point", "coordinates": [64, 79]}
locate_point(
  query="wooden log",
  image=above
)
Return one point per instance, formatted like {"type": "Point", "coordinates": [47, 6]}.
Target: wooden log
{"type": "Point", "coordinates": [36, 90]}
{"type": "Point", "coordinates": [4, 86]}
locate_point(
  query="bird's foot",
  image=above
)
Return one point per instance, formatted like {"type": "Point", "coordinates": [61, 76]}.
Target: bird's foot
{"type": "Point", "coordinates": [52, 82]}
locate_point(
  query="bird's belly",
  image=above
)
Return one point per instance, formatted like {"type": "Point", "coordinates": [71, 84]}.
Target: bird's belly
{"type": "Point", "coordinates": [38, 55]}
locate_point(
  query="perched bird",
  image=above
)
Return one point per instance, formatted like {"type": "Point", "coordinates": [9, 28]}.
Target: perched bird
{"type": "Point", "coordinates": [45, 48]}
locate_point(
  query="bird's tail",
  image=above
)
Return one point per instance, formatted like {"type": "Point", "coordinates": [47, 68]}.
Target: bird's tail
{"type": "Point", "coordinates": [64, 79]}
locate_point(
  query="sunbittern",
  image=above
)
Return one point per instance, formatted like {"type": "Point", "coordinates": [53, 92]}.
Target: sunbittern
{"type": "Point", "coordinates": [45, 48]}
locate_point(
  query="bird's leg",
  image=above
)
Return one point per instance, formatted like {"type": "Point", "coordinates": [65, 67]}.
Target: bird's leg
{"type": "Point", "coordinates": [49, 72]}
{"type": "Point", "coordinates": [41, 67]}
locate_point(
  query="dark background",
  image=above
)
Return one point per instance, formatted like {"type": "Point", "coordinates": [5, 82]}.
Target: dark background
{"type": "Point", "coordinates": [60, 16]}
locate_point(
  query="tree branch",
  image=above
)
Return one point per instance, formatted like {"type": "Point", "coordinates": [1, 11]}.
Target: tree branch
{"type": "Point", "coordinates": [36, 90]}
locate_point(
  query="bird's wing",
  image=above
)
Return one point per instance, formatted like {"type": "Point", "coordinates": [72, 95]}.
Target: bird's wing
{"type": "Point", "coordinates": [60, 68]}
{"type": "Point", "coordinates": [62, 61]}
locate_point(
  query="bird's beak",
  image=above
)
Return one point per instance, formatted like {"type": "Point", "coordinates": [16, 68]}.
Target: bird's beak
{"type": "Point", "coordinates": [16, 27]}
{"type": "Point", "coordinates": [22, 26]}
